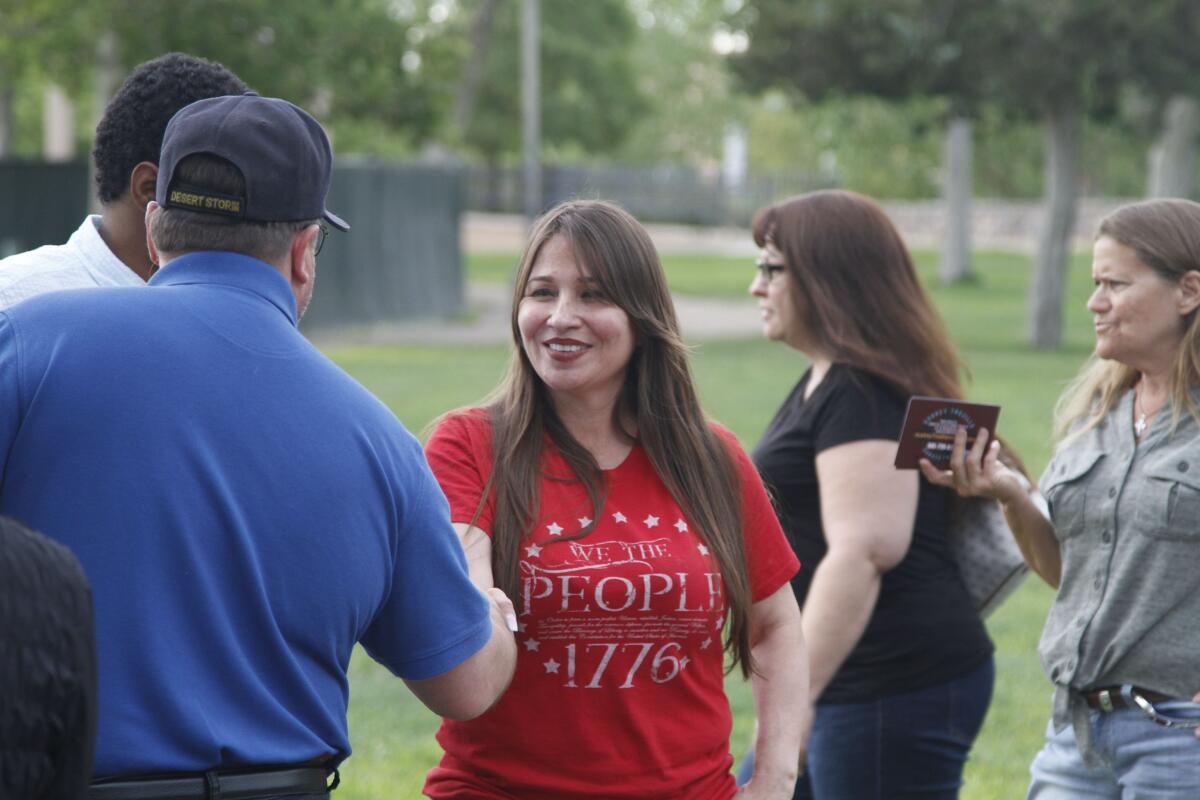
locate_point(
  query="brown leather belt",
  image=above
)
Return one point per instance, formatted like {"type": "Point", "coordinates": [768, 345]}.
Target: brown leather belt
{"type": "Point", "coordinates": [214, 785]}
{"type": "Point", "coordinates": [1109, 698]}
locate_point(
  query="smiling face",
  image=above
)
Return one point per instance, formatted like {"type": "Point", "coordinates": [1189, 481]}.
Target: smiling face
{"type": "Point", "coordinates": [578, 342]}
{"type": "Point", "coordinates": [1137, 314]}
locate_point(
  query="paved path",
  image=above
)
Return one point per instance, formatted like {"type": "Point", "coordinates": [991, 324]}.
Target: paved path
{"type": "Point", "coordinates": [701, 318]}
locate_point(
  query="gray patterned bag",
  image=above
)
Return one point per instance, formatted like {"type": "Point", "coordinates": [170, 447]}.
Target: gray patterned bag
{"type": "Point", "coordinates": [989, 560]}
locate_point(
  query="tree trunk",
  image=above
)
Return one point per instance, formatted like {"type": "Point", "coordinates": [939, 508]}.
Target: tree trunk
{"type": "Point", "coordinates": [58, 124]}
{"type": "Point", "coordinates": [1173, 156]}
{"type": "Point", "coordinates": [1063, 123]}
{"type": "Point", "coordinates": [468, 88]}
{"type": "Point", "coordinates": [955, 265]}
{"type": "Point", "coordinates": [6, 121]}
{"type": "Point", "coordinates": [531, 109]}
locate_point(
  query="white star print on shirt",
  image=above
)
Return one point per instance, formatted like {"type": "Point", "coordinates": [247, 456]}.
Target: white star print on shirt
{"type": "Point", "coordinates": [704, 645]}
{"type": "Point", "coordinates": [703, 550]}
{"type": "Point", "coordinates": [650, 521]}
{"type": "Point", "coordinates": [619, 517]}
{"type": "Point", "coordinates": [533, 550]}
{"type": "Point", "coordinates": [680, 526]}
{"type": "Point", "coordinates": [585, 521]}
{"type": "Point", "coordinates": [551, 665]}
{"type": "Point", "coordinates": [531, 644]}
{"type": "Point", "coordinates": [555, 529]}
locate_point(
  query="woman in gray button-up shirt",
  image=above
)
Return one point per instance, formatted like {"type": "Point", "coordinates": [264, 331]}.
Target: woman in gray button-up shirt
{"type": "Point", "coordinates": [1122, 545]}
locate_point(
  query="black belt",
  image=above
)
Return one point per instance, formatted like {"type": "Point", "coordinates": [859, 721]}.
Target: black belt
{"type": "Point", "coordinates": [215, 785]}
{"type": "Point", "coordinates": [1110, 698]}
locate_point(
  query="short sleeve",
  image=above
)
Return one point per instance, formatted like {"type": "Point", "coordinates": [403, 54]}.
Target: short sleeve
{"type": "Point", "coordinates": [856, 406]}
{"type": "Point", "coordinates": [434, 618]}
{"type": "Point", "coordinates": [460, 455]}
{"type": "Point", "coordinates": [770, 560]}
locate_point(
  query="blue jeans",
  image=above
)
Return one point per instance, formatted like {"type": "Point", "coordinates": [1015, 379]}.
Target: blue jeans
{"type": "Point", "coordinates": [1138, 759]}
{"type": "Point", "coordinates": [910, 745]}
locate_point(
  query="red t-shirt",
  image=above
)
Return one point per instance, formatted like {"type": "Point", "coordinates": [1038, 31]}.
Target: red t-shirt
{"type": "Point", "coordinates": [618, 691]}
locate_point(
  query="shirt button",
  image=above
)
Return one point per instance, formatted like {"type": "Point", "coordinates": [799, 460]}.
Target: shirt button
{"type": "Point", "coordinates": [1182, 466]}
{"type": "Point", "coordinates": [1106, 537]}
{"type": "Point", "coordinates": [1112, 491]}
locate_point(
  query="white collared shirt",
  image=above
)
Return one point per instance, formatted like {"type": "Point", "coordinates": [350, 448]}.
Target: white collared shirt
{"type": "Point", "coordinates": [84, 261]}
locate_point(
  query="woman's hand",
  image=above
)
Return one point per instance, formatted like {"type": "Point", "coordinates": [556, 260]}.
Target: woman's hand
{"type": "Point", "coordinates": [975, 472]}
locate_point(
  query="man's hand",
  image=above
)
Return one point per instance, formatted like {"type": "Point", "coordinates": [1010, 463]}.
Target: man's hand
{"type": "Point", "coordinates": [502, 608]}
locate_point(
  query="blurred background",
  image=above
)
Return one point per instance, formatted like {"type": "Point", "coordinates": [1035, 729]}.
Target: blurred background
{"type": "Point", "coordinates": [995, 133]}
{"type": "Point", "coordinates": [1007, 123]}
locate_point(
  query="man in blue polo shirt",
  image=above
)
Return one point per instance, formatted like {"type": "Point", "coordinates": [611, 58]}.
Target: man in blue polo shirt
{"type": "Point", "coordinates": [245, 511]}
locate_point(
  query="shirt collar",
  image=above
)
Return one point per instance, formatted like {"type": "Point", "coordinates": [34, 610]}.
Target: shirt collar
{"type": "Point", "coordinates": [235, 270]}
{"type": "Point", "coordinates": [104, 267]}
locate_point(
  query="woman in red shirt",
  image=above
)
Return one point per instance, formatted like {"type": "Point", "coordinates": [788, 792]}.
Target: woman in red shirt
{"type": "Point", "coordinates": [634, 536]}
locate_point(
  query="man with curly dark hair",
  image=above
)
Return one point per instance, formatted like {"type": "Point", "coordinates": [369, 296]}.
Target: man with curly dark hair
{"type": "Point", "coordinates": [109, 249]}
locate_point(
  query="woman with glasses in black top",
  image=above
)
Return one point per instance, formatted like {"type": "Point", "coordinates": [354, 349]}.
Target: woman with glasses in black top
{"type": "Point", "coordinates": [901, 666]}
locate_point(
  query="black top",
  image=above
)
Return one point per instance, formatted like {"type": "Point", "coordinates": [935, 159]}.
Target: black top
{"type": "Point", "coordinates": [47, 669]}
{"type": "Point", "coordinates": [923, 630]}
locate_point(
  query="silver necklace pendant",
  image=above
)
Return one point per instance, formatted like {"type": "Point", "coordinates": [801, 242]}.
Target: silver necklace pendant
{"type": "Point", "coordinates": [1139, 427]}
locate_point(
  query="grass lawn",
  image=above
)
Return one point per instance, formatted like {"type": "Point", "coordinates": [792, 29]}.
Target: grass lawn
{"type": "Point", "coordinates": [742, 383]}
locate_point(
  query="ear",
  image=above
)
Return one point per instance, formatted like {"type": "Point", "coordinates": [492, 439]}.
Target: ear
{"type": "Point", "coordinates": [1189, 292]}
{"type": "Point", "coordinates": [151, 210]}
{"type": "Point", "coordinates": [302, 266]}
{"type": "Point", "coordinates": [143, 181]}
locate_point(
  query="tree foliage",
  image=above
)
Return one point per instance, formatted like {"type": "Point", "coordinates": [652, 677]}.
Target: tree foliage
{"type": "Point", "coordinates": [589, 93]}
{"type": "Point", "coordinates": [342, 59]}
{"type": "Point", "coordinates": [892, 49]}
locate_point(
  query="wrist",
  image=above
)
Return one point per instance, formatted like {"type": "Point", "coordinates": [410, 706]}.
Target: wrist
{"type": "Point", "coordinates": [1010, 490]}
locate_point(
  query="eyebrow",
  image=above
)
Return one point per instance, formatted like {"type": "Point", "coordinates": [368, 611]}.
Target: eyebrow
{"type": "Point", "coordinates": [587, 280]}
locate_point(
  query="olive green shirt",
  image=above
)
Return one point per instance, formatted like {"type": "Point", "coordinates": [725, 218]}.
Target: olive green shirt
{"type": "Point", "coordinates": [1127, 518]}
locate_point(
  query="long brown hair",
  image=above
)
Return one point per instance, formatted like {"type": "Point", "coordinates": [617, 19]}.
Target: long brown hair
{"type": "Point", "coordinates": [856, 290]}
{"type": "Point", "coordinates": [658, 396]}
{"type": "Point", "coordinates": [1165, 235]}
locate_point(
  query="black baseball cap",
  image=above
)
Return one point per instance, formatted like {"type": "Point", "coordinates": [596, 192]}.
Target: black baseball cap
{"type": "Point", "coordinates": [282, 152]}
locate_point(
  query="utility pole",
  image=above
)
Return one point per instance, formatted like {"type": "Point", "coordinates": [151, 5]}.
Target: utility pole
{"type": "Point", "coordinates": [531, 115]}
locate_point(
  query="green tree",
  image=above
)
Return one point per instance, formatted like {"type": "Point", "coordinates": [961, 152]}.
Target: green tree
{"type": "Point", "coordinates": [589, 93]}
{"type": "Point", "coordinates": [350, 62]}
{"type": "Point", "coordinates": [891, 49]}
{"type": "Point", "coordinates": [40, 40]}
{"type": "Point", "coordinates": [681, 69]}
{"type": "Point", "coordinates": [1058, 60]}
{"type": "Point", "coordinates": [1068, 60]}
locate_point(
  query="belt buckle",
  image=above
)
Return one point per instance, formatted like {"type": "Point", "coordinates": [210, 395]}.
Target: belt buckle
{"type": "Point", "coordinates": [1104, 697]}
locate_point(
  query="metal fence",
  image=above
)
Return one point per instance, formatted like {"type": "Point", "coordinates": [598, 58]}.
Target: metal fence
{"type": "Point", "coordinates": [652, 193]}
{"type": "Point", "coordinates": [401, 260]}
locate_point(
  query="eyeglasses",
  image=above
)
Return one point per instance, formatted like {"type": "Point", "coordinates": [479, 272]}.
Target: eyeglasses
{"type": "Point", "coordinates": [768, 269]}
{"type": "Point", "coordinates": [324, 231]}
